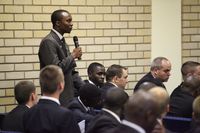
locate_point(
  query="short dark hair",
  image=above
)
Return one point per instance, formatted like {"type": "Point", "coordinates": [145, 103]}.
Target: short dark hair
{"type": "Point", "coordinates": [23, 90]}
{"type": "Point", "coordinates": [50, 77]}
{"type": "Point", "coordinates": [93, 66]}
{"type": "Point", "coordinates": [189, 67]}
{"type": "Point", "coordinates": [57, 16]}
{"type": "Point", "coordinates": [90, 94]}
{"type": "Point", "coordinates": [115, 98]}
{"type": "Point", "coordinates": [114, 70]}
{"type": "Point", "coordinates": [157, 63]}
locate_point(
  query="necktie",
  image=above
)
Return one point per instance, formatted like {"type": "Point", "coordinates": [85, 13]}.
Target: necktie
{"type": "Point", "coordinates": [64, 47]}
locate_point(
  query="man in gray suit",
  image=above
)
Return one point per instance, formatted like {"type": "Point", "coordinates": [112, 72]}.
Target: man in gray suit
{"type": "Point", "coordinates": [53, 50]}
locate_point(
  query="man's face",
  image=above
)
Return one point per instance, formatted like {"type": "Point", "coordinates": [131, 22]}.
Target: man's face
{"type": "Point", "coordinates": [197, 72]}
{"type": "Point", "coordinates": [123, 80]}
{"type": "Point", "coordinates": [163, 73]}
{"type": "Point", "coordinates": [65, 24]}
{"type": "Point", "coordinates": [98, 75]}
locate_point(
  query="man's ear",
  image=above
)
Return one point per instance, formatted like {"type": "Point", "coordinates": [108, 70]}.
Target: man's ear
{"type": "Point", "coordinates": [58, 23]}
{"type": "Point", "coordinates": [115, 79]}
{"type": "Point", "coordinates": [61, 86]}
{"type": "Point", "coordinates": [33, 97]}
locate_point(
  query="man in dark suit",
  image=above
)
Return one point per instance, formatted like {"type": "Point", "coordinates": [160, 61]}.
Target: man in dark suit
{"type": "Point", "coordinates": [48, 116]}
{"type": "Point", "coordinates": [53, 50]}
{"type": "Point", "coordinates": [141, 113]}
{"type": "Point", "coordinates": [96, 74]}
{"type": "Point", "coordinates": [186, 92]}
{"type": "Point", "coordinates": [116, 76]}
{"type": "Point", "coordinates": [83, 105]}
{"type": "Point", "coordinates": [26, 97]}
{"type": "Point", "coordinates": [110, 115]}
{"type": "Point", "coordinates": [159, 73]}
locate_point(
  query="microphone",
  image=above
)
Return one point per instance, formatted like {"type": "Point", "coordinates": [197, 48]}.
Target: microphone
{"type": "Point", "coordinates": [76, 43]}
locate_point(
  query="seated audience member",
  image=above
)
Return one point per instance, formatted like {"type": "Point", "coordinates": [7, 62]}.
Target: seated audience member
{"type": "Point", "coordinates": [147, 86]}
{"type": "Point", "coordinates": [196, 116]}
{"type": "Point", "coordinates": [48, 116]}
{"type": "Point", "coordinates": [96, 74]}
{"type": "Point", "coordinates": [82, 106]}
{"type": "Point", "coordinates": [26, 97]}
{"type": "Point", "coordinates": [185, 93]}
{"type": "Point", "coordinates": [163, 101]}
{"type": "Point", "coordinates": [159, 73]}
{"type": "Point", "coordinates": [109, 117]}
{"type": "Point", "coordinates": [116, 76]}
{"type": "Point", "coordinates": [141, 113]}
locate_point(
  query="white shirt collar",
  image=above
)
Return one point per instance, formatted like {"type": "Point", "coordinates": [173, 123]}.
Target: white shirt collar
{"type": "Point", "coordinates": [112, 113]}
{"type": "Point", "coordinates": [134, 126]}
{"type": "Point", "coordinates": [91, 82]}
{"type": "Point", "coordinates": [86, 108]}
{"type": "Point", "coordinates": [28, 106]}
{"type": "Point", "coordinates": [59, 35]}
{"type": "Point", "coordinates": [113, 84]}
{"type": "Point", "coordinates": [50, 98]}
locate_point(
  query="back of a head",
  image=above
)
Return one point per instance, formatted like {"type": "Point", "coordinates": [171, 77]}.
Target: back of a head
{"type": "Point", "coordinates": [23, 90]}
{"type": "Point", "coordinates": [50, 77]}
{"type": "Point", "coordinates": [192, 82]}
{"type": "Point", "coordinates": [162, 98]}
{"type": "Point", "coordinates": [196, 108]}
{"type": "Point", "coordinates": [189, 67]}
{"type": "Point", "coordinates": [142, 109]}
{"type": "Point", "coordinates": [115, 98]}
{"type": "Point", "coordinates": [90, 94]}
{"type": "Point", "coordinates": [114, 70]}
{"type": "Point", "coordinates": [146, 86]}
{"type": "Point", "coordinates": [93, 66]}
{"type": "Point", "coordinates": [157, 63]}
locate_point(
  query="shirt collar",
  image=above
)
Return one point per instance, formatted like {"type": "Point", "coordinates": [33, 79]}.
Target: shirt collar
{"type": "Point", "coordinates": [57, 33]}
{"type": "Point", "coordinates": [91, 82]}
{"type": "Point", "coordinates": [134, 126]}
{"type": "Point", "coordinates": [113, 84]}
{"type": "Point", "coordinates": [86, 108]}
{"type": "Point", "coordinates": [112, 113]}
{"type": "Point", "coordinates": [50, 98]}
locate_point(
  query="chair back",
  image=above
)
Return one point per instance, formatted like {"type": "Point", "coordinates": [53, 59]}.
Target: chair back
{"type": "Point", "coordinates": [177, 124]}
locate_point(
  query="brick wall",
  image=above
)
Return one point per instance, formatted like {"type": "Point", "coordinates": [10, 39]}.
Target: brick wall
{"type": "Point", "coordinates": [109, 31]}
{"type": "Point", "coordinates": [191, 30]}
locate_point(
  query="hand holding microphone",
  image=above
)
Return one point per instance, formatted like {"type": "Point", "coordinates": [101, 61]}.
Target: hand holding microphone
{"type": "Point", "coordinates": [77, 52]}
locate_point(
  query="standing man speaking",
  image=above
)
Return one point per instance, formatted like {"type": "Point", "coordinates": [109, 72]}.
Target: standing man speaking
{"type": "Point", "coordinates": [54, 50]}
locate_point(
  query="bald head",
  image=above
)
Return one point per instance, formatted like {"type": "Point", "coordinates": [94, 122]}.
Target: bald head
{"type": "Point", "coordinates": [162, 98]}
{"type": "Point", "coordinates": [142, 109]}
{"type": "Point", "coordinates": [146, 85]}
{"type": "Point", "coordinates": [196, 108]}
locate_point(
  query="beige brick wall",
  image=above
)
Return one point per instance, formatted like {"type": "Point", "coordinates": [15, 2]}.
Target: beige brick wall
{"type": "Point", "coordinates": [191, 30]}
{"type": "Point", "coordinates": [109, 31]}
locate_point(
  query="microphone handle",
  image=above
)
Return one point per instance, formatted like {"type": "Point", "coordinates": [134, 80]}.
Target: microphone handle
{"type": "Point", "coordinates": [76, 46]}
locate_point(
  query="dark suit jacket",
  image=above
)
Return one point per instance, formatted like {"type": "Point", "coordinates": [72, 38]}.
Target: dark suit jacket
{"type": "Point", "coordinates": [49, 117]}
{"type": "Point", "coordinates": [52, 51]}
{"type": "Point", "coordinates": [124, 129]}
{"type": "Point", "coordinates": [180, 104]}
{"type": "Point", "coordinates": [105, 88]}
{"type": "Point", "coordinates": [149, 78]}
{"type": "Point", "coordinates": [80, 112]}
{"type": "Point", "coordinates": [13, 121]}
{"type": "Point", "coordinates": [103, 122]}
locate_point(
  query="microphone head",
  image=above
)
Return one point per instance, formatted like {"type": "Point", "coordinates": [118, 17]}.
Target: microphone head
{"type": "Point", "coordinates": [75, 38]}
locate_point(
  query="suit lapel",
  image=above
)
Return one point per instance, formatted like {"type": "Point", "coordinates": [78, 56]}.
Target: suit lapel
{"type": "Point", "coordinates": [62, 44]}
